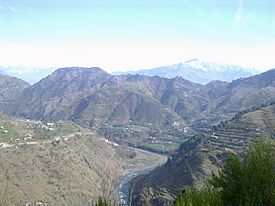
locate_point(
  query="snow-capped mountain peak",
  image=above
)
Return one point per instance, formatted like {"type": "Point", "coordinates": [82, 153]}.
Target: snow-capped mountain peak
{"type": "Point", "coordinates": [199, 71]}
{"type": "Point", "coordinates": [217, 67]}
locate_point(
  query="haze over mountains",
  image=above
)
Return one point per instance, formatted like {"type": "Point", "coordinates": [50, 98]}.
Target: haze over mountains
{"type": "Point", "coordinates": [28, 74]}
{"type": "Point", "coordinates": [198, 71]}
{"type": "Point", "coordinates": [194, 70]}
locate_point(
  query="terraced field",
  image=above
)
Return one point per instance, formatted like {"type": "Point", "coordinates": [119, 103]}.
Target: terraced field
{"type": "Point", "coordinates": [235, 135]}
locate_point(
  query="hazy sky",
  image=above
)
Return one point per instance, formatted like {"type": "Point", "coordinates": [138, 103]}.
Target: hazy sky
{"type": "Point", "coordinates": [136, 34]}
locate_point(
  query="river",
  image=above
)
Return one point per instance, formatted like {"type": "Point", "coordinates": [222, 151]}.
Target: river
{"type": "Point", "coordinates": [125, 183]}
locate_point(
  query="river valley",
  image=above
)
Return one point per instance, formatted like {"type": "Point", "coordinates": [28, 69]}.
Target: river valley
{"type": "Point", "coordinates": [143, 163]}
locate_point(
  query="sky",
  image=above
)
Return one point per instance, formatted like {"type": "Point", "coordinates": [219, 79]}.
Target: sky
{"type": "Point", "coordinates": [136, 34]}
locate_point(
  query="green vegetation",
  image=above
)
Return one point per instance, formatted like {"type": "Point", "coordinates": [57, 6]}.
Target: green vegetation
{"type": "Point", "coordinates": [103, 202]}
{"type": "Point", "coordinates": [64, 128]}
{"type": "Point", "coordinates": [186, 147]}
{"type": "Point", "coordinates": [10, 130]}
{"type": "Point", "coordinates": [250, 182]}
{"type": "Point", "coordinates": [254, 108]}
{"type": "Point", "coordinates": [67, 128]}
{"type": "Point", "coordinates": [155, 138]}
{"type": "Point", "coordinates": [238, 115]}
{"type": "Point", "coordinates": [203, 197]}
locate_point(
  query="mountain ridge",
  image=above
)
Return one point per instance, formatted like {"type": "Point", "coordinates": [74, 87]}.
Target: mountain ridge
{"type": "Point", "coordinates": [198, 71]}
{"type": "Point", "coordinates": [92, 97]}
{"type": "Point", "coordinates": [169, 93]}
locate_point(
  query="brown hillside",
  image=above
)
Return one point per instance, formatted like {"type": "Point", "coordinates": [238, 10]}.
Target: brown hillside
{"type": "Point", "coordinates": [202, 154]}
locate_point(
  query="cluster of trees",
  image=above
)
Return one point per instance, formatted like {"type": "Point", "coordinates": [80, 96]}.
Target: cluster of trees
{"type": "Point", "coordinates": [103, 202]}
{"type": "Point", "coordinates": [238, 115]}
{"type": "Point", "coordinates": [185, 147]}
{"type": "Point", "coordinates": [254, 108]}
{"type": "Point", "coordinates": [250, 182]}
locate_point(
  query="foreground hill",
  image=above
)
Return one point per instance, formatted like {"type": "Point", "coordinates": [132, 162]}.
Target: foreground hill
{"type": "Point", "coordinates": [202, 154]}
{"type": "Point", "coordinates": [61, 164]}
{"type": "Point", "coordinates": [198, 71]}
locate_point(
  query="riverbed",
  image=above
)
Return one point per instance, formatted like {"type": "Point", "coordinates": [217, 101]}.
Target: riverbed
{"type": "Point", "coordinates": [124, 186]}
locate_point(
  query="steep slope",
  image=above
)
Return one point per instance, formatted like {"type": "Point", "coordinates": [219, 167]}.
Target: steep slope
{"type": "Point", "coordinates": [67, 165]}
{"type": "Point", "coordinates": [217, 100]}
{"type": "Point", "coordinates": [71, 173]}
{"type": "Point", "coordinates": [198, 71]}
{"type": "Point", "coordinates": [202, 154]}
{"type": "Point", "coordinates": [240, 94]}
{"type": "Point", "coordinates": [189, 166]}
{"type": "Point", "coordinates": [91, 96]}
{"type": "Point", "coordinates": [57, 93]}
{"type": "Point", "coordinates": [10, 90]}
{"type": "Point", "coordinates": [116, 104]}
{"type": "Point", "coordinates": [61, 163]}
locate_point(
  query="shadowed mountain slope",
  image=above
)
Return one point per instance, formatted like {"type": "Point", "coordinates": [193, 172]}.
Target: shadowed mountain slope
{"type": "Point", "coordinates": [199, 156]}
{"type": "Point", "coordinates": [93, 97]}
{"type": "Point", "coordinates": [10, 89]}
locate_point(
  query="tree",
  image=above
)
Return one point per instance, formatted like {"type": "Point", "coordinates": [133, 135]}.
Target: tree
{"type": "Point", "coordinates": [102, 202]}
{"type": "Point", "coordinates": [260, 170]}
{"type": "Point", "coordinates": [231, 182]}
{"type": "Point", "coordinates": [247, 183]}
{"type": "Point", "coordinates": [193, 197]}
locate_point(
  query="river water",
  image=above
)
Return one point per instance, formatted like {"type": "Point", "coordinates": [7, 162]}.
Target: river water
{"type": "Point", "coordinates": [125, 183]}
{"type": "Point", "coordinates": [124, 187]}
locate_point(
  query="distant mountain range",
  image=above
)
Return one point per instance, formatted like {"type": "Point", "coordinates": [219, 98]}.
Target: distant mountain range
{"type": "Point", "coordinates": [194, 70]}
{"type": "Point", "coordinates": [28, 74]}
{"type": "Point", "coordinates": [198, 71]}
